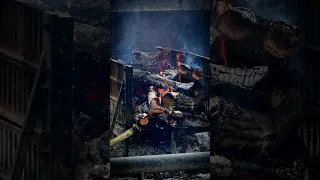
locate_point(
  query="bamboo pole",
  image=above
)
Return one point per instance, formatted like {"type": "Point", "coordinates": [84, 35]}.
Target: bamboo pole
{"type": "Point", "coordinates": [128, 133]}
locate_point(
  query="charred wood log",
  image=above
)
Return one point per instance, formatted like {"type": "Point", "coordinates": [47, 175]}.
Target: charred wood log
{"type": "Point", "coordinates": [155, 108]}
{"type": "Point", "coordinates": [163, 59]}
{"type": "Point", "coordinates": [281, 39]}
{"type": "Point", "coordinates": [145, 77]}
{"type": "Point", "coordinates": [236, 23]}
{"type": "Point", "coordinates": [185, 103]}
{"type": "Point", "coordinates": [253, 40]}
{"type": "Point", "coordinates": [252, 132]}
{"type": "Point", "coordinates": [145, 61]}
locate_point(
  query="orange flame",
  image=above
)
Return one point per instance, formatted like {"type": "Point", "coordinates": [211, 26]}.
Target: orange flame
{"type": "Point", "coordinates": [162, 92]}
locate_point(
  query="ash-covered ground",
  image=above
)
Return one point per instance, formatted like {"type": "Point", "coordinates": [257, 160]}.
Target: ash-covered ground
{"type": "Point", "coordinates": [138, 146]}
{"type": "Point", "coordinates": [143, 146]}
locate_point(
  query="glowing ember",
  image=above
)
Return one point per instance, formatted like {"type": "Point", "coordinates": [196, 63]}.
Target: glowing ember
{"type": "Point", "coordinates": [162, 92]}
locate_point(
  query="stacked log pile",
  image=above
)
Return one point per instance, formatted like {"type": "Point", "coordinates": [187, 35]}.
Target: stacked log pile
{"type": "Point", "coordinates": [255, 40]}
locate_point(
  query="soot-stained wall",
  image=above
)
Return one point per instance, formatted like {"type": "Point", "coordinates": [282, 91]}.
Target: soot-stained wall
{"type": "Point", "coordinates": [143, 30]}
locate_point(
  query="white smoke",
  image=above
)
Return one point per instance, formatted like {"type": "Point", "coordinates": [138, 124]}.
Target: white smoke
{"type": "Point", "coordinates": [276, 10]}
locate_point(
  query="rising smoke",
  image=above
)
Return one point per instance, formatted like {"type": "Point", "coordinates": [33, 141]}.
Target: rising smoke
{"type": "Point", "coordinates": [277, 10]}
{"type": "Point", "coordinates": [180, 30]}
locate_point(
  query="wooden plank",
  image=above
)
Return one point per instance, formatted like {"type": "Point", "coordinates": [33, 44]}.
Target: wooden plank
{"type": "Point", "coordinates": [1, 146]}
{"type": "Point", "coordinates": [314, 140]}
{"type": "Point", "coordinates": [2, 81]}
{"type": "Point", "coordinates": [19, 79]}
{"type": "Point", "coordinates": [115, 80]}
{"type": "Point", "coordinates": [9, 150]}
{"type": "Point", "coordinates": [13, 89]}
{"type": "Point", "coordinates": [46, 115]}
{"type": "Point", "coordinates": [35, 103]}
{"type": "Point", "coordinates": [39, 36]}
{"type": "Point", "coordinates": [32, 160]}
{"type": "Point", "coordinates": [4, 141]}
{"type": "Point", "coordinates": [116, 111]}
{"type": "Point", "coordinates": [33, 36]}
{"type": "Point", "coordinates": [11, 27]}
{"type": "Point", "coordinates": [7, 87]}
{"type": "Point", "coordinates": [15, 143]}
{"type": "Point", "coordinates": [26, 166]}
{"type": "Point", "coordinates": [38, 159]}
{"type": "Point", "coordinates": [128, 102]}
{"type": "Point", "coordinates": [308, 135]}
{"type": "Point", "coordinates": [18, 60]}
{"type": "Point", "coordinates": [318, 152]}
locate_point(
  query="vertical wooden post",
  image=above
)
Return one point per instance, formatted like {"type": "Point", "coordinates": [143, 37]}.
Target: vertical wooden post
{"type": "Point", "coordinates": [46, 114]}
{"type": "Point", "coordinates": [128, 100]}
{"type": "Point", "coordinates": [61, 96]}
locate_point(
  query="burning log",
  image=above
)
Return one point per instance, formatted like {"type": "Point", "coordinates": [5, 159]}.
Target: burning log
{"type": "Point", "coordinates": [281, 39]}
{"type": "Point", "coordinates": [155, 108]}
{"type": "Point", "coordinates": [163, 59]}
{"type": "Point", "coordinates": [144, 77]}
{"type": "Point", "coordinates": [145, 60]}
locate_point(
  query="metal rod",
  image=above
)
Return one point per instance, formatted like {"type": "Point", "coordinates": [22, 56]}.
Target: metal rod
{"type": "Point", "coordinates": [160, 163]}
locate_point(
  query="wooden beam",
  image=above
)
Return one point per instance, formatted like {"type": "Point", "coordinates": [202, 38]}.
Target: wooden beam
{"type": "Point", "coordinates": [46, 115]}
{"type": "Point", "coordinates": [115, 116]}
{"type": "Point", "coordinates": [61, 124]}
{"type": "Point", "coordinates": [128, 101]}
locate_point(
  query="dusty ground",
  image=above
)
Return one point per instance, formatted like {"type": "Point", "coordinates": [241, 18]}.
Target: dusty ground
{"type": "Point", "coordinates": [142, 146]}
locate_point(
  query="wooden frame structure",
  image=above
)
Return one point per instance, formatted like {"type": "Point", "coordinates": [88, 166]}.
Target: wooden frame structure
{"type": "Point", "coordinates": [35, 129]}
{"type": "Point", "coordinates": [120, 98]}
